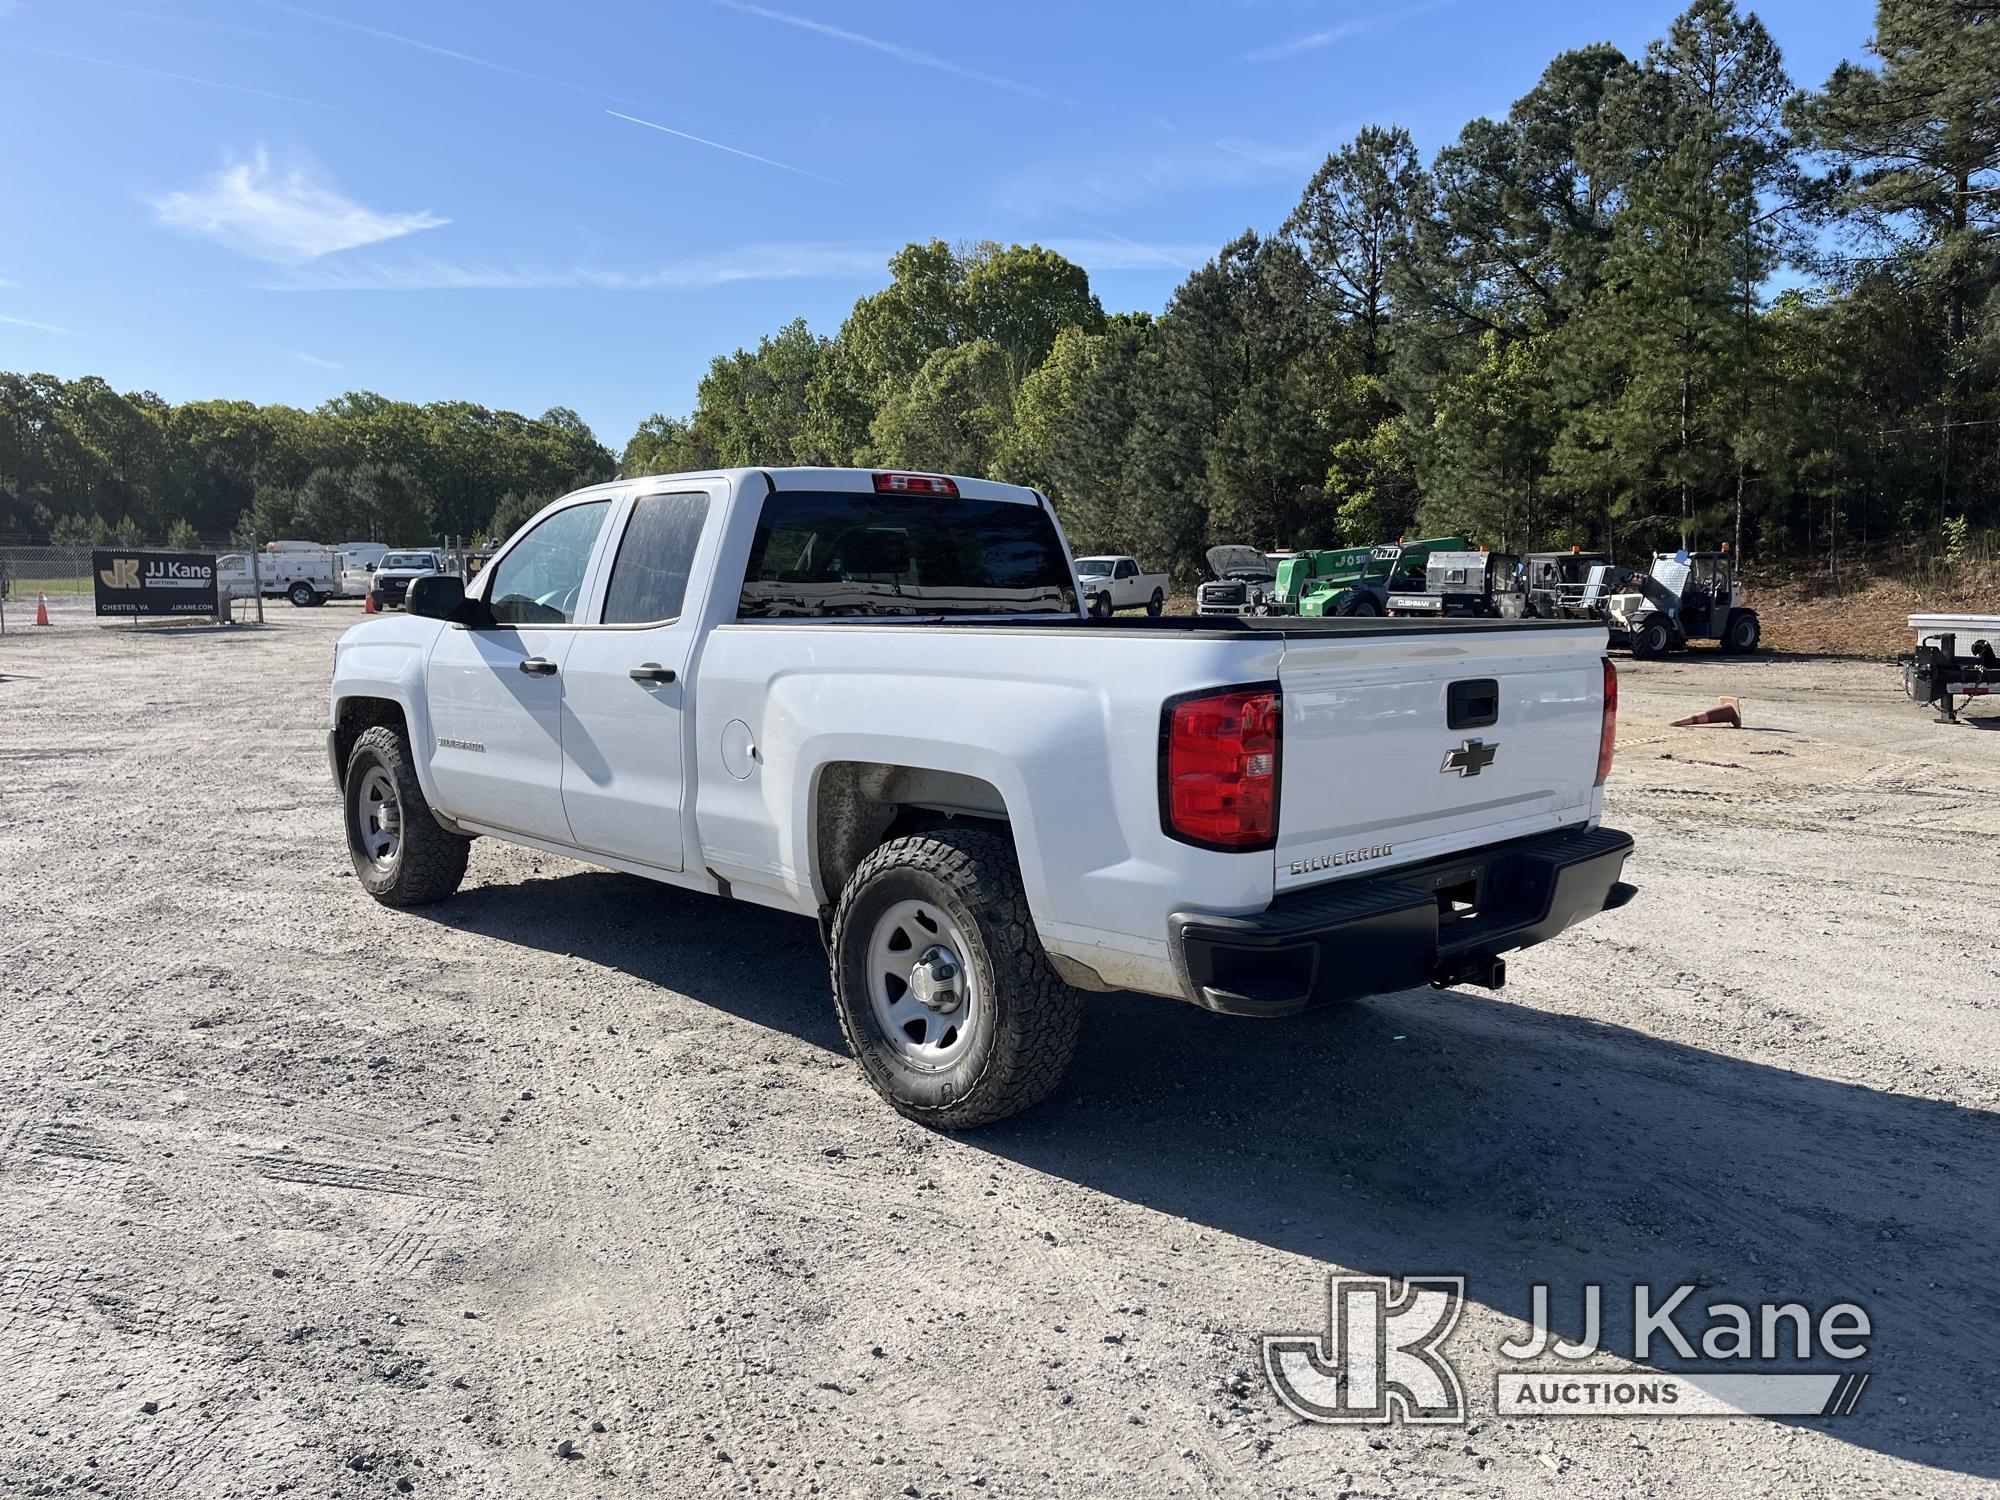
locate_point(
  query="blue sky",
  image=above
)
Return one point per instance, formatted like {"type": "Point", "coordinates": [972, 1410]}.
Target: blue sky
{"type": "Point", "coordinates": [531, 205]}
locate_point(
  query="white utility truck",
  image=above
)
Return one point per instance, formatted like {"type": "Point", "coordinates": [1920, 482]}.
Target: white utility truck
{"type": "Point", "coordinates": [1110, 584]}
{"type": "Point", "coordinates": [874, 699]}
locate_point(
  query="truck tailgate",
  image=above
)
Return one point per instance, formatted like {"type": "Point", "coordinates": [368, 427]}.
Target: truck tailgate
{"type": "Point", "coordinates": [1400, 747]}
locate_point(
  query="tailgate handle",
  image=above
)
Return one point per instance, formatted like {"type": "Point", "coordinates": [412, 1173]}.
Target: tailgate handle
{"type": "Point", "coordinates": [1472, 704]}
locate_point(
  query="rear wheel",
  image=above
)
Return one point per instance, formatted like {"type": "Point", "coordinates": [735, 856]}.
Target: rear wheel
{"type": "Point", "coordinates": [402, 854]}
{"type": "Point", "coordinates": [941, 984]}
{"type": "Point", "coordinates": [1156, 604]}
{"type": "Point", "coordinates": [1651, 639]}
{"type": "Point", "coordinates": [1364, 606]}
{"type": "Point", "coordinates": [300, 593]}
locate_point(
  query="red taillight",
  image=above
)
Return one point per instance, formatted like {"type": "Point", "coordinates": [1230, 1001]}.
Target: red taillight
{"type": "Point", "coordinates": [1219, 768]}
{"type": "Point", "coordinates": [1610, 731]}
{"type": "Point", "coordinates": [914, 484]}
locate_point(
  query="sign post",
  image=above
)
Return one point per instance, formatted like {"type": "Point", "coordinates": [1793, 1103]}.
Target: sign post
{"type": "Point", "coordinates": [132, 584]}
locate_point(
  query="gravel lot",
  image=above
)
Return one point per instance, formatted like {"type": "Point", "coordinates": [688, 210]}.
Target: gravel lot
{"type": "Point", "coordinates": [297, 1192]}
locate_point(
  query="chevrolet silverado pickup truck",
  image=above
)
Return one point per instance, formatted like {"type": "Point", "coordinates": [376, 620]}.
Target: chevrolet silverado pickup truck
{"type": "Point", "coordinates": [875, 700]}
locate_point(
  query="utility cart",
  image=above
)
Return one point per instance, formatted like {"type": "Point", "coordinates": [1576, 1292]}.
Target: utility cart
{"type": "Point", "coordinates": [1478, 584]}
{"type": "Point", "coordinates": [1556, 585]}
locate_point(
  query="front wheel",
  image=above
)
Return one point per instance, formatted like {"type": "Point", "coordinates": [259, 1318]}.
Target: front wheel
{"type": "Point", "coordinates": [942, 987]}
{"type": "Point", "coordinates": [1363, 607]}
{"type": "Point", "coordinates": [1100, 607]}
{"type": "Point", "coordinates": [1742, 634]}
{"type": "Point", "coordinates": [1652, 639]}
{"type": "Point", "coordinates": [402, 854]}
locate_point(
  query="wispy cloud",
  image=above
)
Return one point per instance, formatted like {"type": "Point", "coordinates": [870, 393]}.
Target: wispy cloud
{"type": "Point", "coordinates": [37, 327]}
{"type": "Point", "coordinates": [891, 49]}
{"type": "Point", "coordinates": [1104, 251]}
{"type": "Point", "coordinates": [436, 50]}
{"type": "Point", "coordinates": [125, 67]}
{"type": "Point", "coordinates": [1344, 31]}
{"type": "Point", "coordinates": [1113, 252]}
{"type": "Point", "coordinates": [783, 262]}
{"type": "Point", "coordinates": [316, 362]}
{"type": "Point", "coordinates": [494, 65]}
{"type": "Point", "coordinates": [285, 217]}
{"type": "Point", "coordinates": [1067, 187]}
{"type": "Point", "coordinates": [717, 145]}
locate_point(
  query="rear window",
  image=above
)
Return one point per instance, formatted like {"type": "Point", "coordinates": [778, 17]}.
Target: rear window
{"type": "Point", "coordinates": [819, 555]}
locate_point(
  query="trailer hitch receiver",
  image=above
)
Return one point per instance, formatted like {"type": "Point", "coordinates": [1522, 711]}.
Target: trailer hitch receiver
{"type": "Point", "coordinates": [1481, 969]}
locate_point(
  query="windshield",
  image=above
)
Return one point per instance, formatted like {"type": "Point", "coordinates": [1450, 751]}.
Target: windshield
{"type": "Point", "coordinates": [822, 554]}
{"type": "Point", "coordinates": [1094, 564]}
{"type": "Point", "coordinates": [408, 560]}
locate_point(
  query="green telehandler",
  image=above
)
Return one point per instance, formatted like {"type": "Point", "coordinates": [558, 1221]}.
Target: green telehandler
{"type": "Point", "coordinates": [1354, 580]}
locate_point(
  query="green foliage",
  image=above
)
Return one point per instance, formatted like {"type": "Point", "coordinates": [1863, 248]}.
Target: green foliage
{"type": "Point", "coordinates": [76, 456]}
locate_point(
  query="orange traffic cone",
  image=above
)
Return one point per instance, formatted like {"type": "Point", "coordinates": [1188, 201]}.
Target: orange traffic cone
{"type": "Point", "coordinates": [1727, 713]}
{"type": "Point", "coordinates": [368, 608]}
{"type": "Point", "coordinates": [41, 609]}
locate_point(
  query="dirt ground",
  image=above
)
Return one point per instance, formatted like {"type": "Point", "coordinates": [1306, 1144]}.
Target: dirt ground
{"type": "Point", "coordinates": [298, 1193]}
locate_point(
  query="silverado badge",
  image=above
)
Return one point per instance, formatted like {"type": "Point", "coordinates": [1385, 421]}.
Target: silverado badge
{"type": "Point", "coordinates": [1469, 759]}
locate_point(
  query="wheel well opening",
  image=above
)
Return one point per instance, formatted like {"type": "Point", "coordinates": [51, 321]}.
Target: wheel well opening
{"type": "Point", "coordinates": [357, 716]}
{"type": "Point", "coordinates": [860, 805]}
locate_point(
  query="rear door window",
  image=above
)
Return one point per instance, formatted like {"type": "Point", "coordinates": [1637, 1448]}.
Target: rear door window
{"type": "Point", "coordinates": [821, 555]}
{"type": "Point", "coordinates": [650, 575]}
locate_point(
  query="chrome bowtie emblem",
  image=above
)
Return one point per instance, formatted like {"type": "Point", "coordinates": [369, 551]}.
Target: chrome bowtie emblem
{"type": "Point", "coordinates": [1469, 759]}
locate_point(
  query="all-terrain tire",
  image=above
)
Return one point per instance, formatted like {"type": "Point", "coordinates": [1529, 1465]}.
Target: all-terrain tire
{"type": "Point", "coordinates": [429, 859]}
{"type": "Point", "coordinates": [1361, 608]}
{"type": "Point", "coordinates": [1156, 604]}
{"type": "Point", "coordinates": [1651, 639]}
{"type": "Point", "coordinates": [1026, 1023]}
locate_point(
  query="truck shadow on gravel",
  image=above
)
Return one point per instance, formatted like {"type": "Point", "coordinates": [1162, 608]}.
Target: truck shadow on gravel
{"type": "Point", "coordinates": [1452, 1133]}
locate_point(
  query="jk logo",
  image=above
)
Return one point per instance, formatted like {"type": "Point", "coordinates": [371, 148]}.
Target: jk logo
{"type": "Point", "coordinates": [1379, 1357]}
{"type": "Point", "coordinates": [122, 574]}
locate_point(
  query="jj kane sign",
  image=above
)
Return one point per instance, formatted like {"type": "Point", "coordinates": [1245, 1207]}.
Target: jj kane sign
{"type": "Point", "coordinates": [154, 583]}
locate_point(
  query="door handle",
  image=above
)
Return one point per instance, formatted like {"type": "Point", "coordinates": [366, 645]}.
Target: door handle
{"type": "Point", "coordinates": [651, 671]}
{"type": "Point", "coordinates": [539, 666]}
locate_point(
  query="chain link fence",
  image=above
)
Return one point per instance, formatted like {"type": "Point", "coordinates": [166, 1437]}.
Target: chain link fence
{"type": "Point", "coordinates": [59, 579]}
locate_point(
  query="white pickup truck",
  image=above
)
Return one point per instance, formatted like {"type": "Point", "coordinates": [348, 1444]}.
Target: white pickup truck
{"type": "Point", "coordinates": [1112, 583]}
{"type": "Point", "coordinates": [873, 699]}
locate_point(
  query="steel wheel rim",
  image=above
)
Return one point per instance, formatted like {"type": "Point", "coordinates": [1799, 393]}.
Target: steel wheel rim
{"type": "Point", "coordinates": [378, 817]}
{"type": "Point", "coordinates": [921, 986]}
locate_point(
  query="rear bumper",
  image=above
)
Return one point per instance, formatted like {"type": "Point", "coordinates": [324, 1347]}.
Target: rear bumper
{"type": "Point", "coordinates": [1443, 922]}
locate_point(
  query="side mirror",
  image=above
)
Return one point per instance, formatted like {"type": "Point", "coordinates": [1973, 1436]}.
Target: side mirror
{"type": "Point", "coordinates": [441, 596]}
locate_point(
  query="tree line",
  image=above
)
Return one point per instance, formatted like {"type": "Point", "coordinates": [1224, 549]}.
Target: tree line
{"type": "Point", "coordinates": [1665, 298]}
